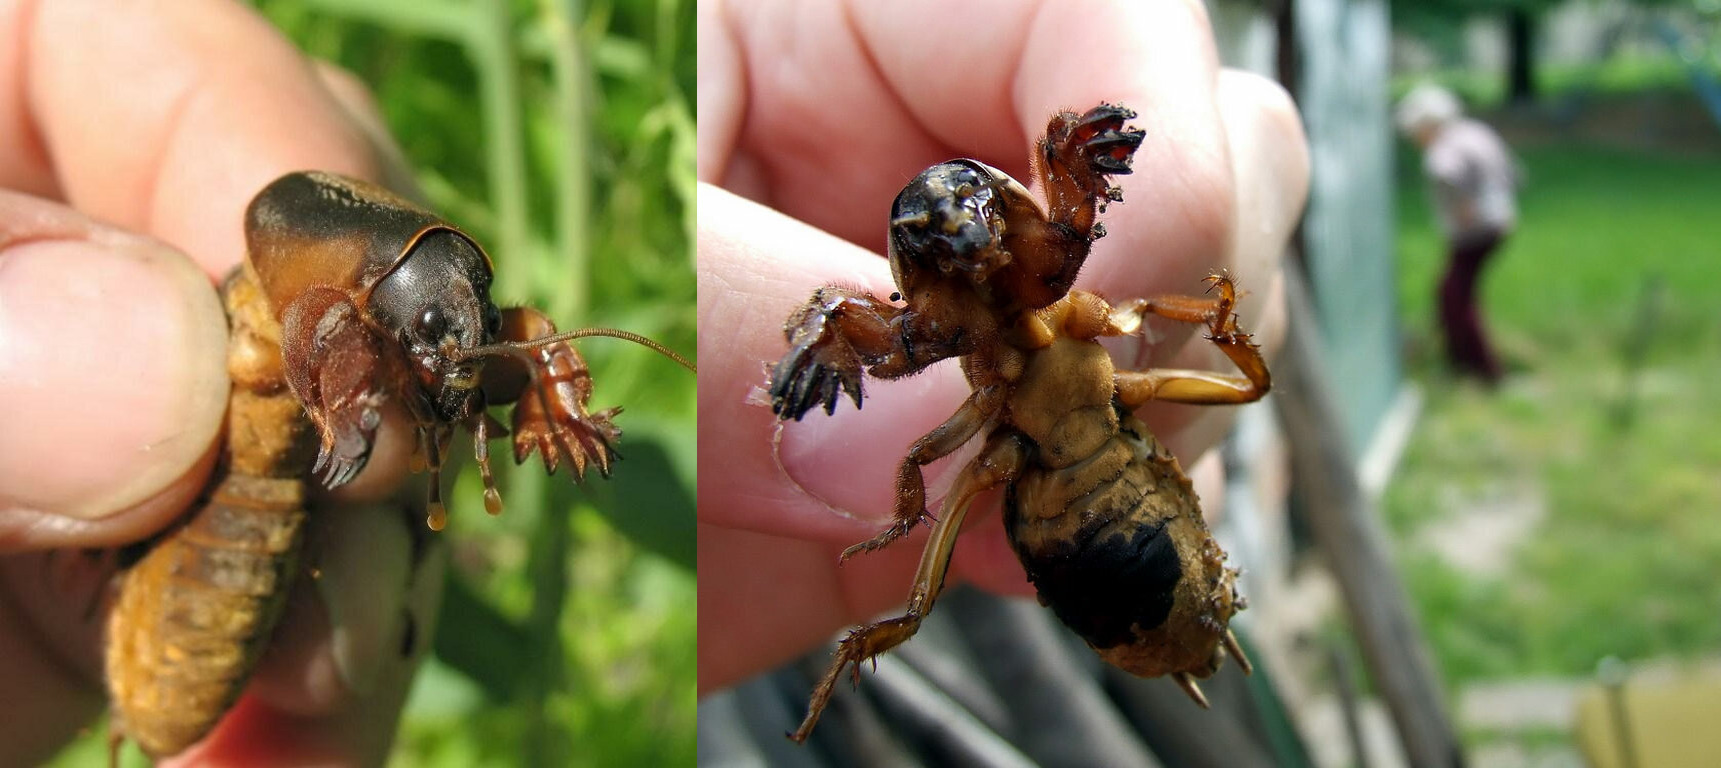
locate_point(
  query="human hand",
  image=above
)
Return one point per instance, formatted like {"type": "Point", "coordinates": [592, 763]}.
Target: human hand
{"type": "Point", "coordinates": [810, 120]}
{"type": "Point", "coordinates": [136, 135]}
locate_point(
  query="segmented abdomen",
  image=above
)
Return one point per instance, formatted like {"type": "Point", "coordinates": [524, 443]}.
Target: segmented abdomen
{"type": "Point", "coordinates": [193, 616]}
{"type": "Point", "coordinates": [1116, 547]}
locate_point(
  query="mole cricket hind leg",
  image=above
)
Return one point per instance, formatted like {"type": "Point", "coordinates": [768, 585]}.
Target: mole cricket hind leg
{"type": "Point", "coordinates": [943, 440]}
{"type": "Point", "coordinates": [998, 463]}
{"type": "Point", "coordinates": [1192, 386]}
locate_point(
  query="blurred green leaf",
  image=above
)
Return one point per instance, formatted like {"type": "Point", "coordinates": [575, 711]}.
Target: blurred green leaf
{"type": "Point", "coordinates": [646, 501]}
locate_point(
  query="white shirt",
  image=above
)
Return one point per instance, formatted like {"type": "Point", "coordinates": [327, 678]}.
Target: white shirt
{"type": "Point", "coordinates": [1474, 178]}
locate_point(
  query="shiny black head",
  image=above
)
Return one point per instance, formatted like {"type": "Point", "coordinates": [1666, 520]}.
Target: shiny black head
{"type": "Point", "coordinates": [436, 303]}
{"type": "Point", "coordinates": [950, 217]}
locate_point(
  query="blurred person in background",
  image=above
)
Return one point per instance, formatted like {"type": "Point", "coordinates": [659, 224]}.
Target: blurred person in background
{"type": "Point", "coordinates": [1474, 180]}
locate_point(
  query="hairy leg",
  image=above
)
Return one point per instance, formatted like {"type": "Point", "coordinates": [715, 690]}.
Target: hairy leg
{"type": "Point", "coordinates": [997, 464]}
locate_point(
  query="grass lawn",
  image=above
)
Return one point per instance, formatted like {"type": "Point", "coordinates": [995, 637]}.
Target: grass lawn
{"type": "Point", "coordinates": [1624, 555]}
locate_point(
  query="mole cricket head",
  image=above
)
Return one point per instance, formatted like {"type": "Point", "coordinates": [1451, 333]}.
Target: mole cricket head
{"type": "Point", "coordinates": [436, 302]}
{"type": "Point", "coordinates": [950, 221]}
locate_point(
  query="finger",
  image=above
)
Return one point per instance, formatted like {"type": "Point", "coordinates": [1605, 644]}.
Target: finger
{"type": "Point", "coordinates": [1270, 164]}
{"type": "Point", "coordinates": [825, 477]}
{"type": "Point", "coordinates": [1270, 168]}
{"type": "Point", "coordinates": [113, 379]}
{"type": "Point", "coordinates": [842, 137]}
{"type": "Point", "coordinates": [1207, 478]}
{"type": "Point", "coordinates": [215, 104]}
{"type": "Point", "coordinates": [722, 95]}
{"type": "Point", "coordinates": [359, 106]}
{"type": "Point", "coordinates": [770, 598]}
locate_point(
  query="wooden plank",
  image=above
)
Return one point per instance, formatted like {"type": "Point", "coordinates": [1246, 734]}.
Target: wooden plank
{"type": "Point", "coordinates": [1346, 527]}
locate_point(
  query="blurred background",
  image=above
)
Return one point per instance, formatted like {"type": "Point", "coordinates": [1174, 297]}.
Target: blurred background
{"type": "Point", "coordinates": [560, 135]}
{"type": "Point", "coordinates": [1551, 539]}
{"type": "Point", "coordinates": [1442, 570]}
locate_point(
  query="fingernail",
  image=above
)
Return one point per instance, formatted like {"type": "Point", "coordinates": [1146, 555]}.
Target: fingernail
{"type": "Point", "coordinates": [365, 571]}
{"type": "Point", "coordinates": [113, 377]}
{"type": "Point", "coordinates": [848, 460]}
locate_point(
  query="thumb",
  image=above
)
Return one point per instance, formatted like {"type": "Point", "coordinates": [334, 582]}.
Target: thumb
{"type": "Point", "coordinates": [113, 379]}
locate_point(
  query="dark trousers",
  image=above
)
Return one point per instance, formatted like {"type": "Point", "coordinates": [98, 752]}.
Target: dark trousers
{"type": "Point", "coordinates": [1467, 347]}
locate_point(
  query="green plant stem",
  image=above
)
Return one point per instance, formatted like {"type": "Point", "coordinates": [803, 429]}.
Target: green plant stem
{"type": "Point", "coordinates": [546, 566]}
{"type": "Point", "coordinates": [491, 42]}
{"type": "Point", "coordinates": [573, 204]}
{"type": "Point", "coordinates": [431, 18]}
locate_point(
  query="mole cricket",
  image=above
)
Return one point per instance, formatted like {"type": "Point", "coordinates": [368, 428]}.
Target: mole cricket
{"type": "Point", "coordinates": [1101, 515]}
{"type": "Point", "coordinates": [349, 298]}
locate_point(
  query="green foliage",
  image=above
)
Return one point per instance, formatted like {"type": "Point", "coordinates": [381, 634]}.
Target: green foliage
{"type": "Point", "coordinates": [1625, 561]}
{"type": "Point", "coordinates": [1623, 73]}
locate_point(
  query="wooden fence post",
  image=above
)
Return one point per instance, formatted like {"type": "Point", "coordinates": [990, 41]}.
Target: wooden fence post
{"type": "Point", "coordinates": [1347, 528]}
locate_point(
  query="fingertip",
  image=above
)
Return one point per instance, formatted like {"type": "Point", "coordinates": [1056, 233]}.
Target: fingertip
{"type": "Point", "coordinates": [216, 103]}
{"type": "Point", "coordinates": [112, 366]}
{"type": "Point", "coordinates": [360, 107]}
{"type": "Point", "coordinates": [1269, 164]}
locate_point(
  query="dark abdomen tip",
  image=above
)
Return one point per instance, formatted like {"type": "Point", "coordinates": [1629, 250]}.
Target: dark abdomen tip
{"type": "Point", "coordinates": [1110, 582]}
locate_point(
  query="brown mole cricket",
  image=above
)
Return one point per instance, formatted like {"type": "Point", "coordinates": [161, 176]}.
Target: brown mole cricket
{"type": "Point", "coordinates": [349, 297]}
{"type": "Point", "coordinates": [1099, 512]}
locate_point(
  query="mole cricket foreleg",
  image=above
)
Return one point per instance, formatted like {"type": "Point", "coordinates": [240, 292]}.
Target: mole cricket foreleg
{"type": "Point", "coordinates": [1075, 158]}
{"type": "Point", "coordinates": [997, 464]}
{"type": "Point", "coordinates": [550, 400]}
{"type": "Point", "coordinates": [944, 439]}
{"type": "Point", "coordinates": [336, 365]}
{"type": "Point", "coordinates": [833, 338]}
{"type": "Point", "coordinates": [1191, 386]}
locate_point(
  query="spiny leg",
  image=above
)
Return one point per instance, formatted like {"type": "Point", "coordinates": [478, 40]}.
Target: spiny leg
{"type": "Point", "coordinates": [944, 439]}
{"type": "Point", "coordinates": [841, 335]}
{"type": "Point", "coordinates": [831, 340]}
{"type": "Point", "coordinates": [998, 463]}
{"type": "Point", "coordinates": [550, 399]}
{"type": "Point", "coordinates": [1072, 164]}
{"type": "Point", "coordinates": [1192, 386]}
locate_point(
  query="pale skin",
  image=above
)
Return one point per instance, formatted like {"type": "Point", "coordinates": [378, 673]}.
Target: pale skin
{"type": "Point", "coordinates": [1217, 184]}
{"type": "Point", "coordinates": [135, 136]}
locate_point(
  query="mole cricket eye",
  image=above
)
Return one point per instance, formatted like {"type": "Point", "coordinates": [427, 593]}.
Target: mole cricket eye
{"type": "Point", "coordinates": [432, 324]}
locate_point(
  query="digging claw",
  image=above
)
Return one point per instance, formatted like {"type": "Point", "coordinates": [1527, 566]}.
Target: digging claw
{"type": "Point", "coordinates": [341, 459]}
{"type": "Point", "coordinates": [1102, 139]}
{"type": "Point", "coordinates": [804, 379]}
{"type": "Point", "coordinates": [583, 440]}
